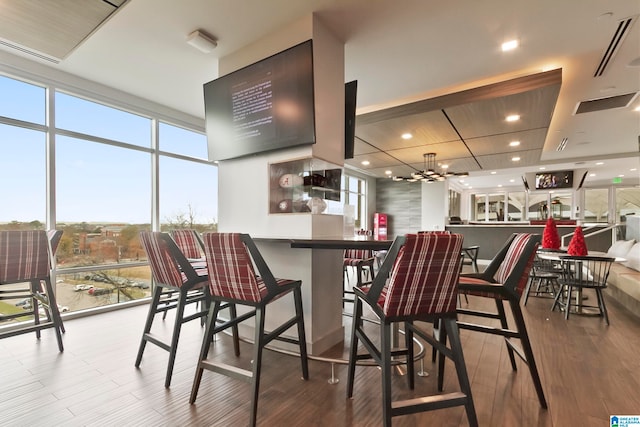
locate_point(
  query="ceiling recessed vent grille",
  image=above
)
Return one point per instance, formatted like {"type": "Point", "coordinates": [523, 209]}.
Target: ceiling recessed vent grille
{"type": "Point", "coordinates": [618, 37]}
{"type": "Point", "coordinates": [619, 101]}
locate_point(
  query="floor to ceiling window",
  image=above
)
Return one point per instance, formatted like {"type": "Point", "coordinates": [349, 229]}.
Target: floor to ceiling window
{"type": "Point", "coordinates": [101, 173]}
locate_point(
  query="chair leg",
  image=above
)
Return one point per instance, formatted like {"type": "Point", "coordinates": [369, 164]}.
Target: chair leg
{"type": "Point", "coordinates": [528, 351]}
{"type": "Point", "coordinates": [567, 306]}
{"type": "Point", "coordinates": [302, 337]}
{"type": "Point", "coordinates": [204, 350]}
{"type": "Point", "coordinates": [257, 363]}
{"type": "Point", "coordinates": [148, 323]}
{"type": "Point", "coordinates": [451, 326]}
{"type": "Point", "coordinates": [385, 358]}
{"type": "Point", "coordinates": [603, 307]}
{"type": "Point", "coordinates": [234, 330]}
{"type": "Point", "coordinates": [527, 290]}
{"type": "Point", "coordinates": [55, 313]}
{"type": "Point", "coordinates": [408, 340]}
{"type": "Point", "coordinates": [557, 301]}
{"type": "Point", "coordinates": [353, 350]}
{"type": "Point", "coordinates": [442, 339]}
{"type": "Point", "coordinates": [175, 336]}
{"type": "Point", "coordinates": [505, 325]}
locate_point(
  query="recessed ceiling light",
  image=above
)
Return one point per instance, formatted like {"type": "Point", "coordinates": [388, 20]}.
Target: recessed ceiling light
{"type": "Point", "coordinates": [499, 185]}
{"type": "Point", "coordinates": [407, 135]}
{"type": "Point", "coordinates": [514, 143]}
{"type": "Point", "coordinates": [493, 172]}
{"type": "Point", "coordinates": [621, 175]}
{"type": "Point", "coordinates": [512, 180]}
{"type": "Point", "coordinates": [542, 168]}
{"type": "Point", "coordinates": [365, 163]}
{"type": "Point", "coordinates": [515, 159]}
{"type": "Point", "coordinates": [444, 166]}
{"type": "Point", "coordinates": [633, 169]}
{"type": "Point", "coordinates": [599, 163]}
{"type": "Point", "coordinates": [592, 174]}
{"type": "Point", "coordinates": [388, 172]}
{"type": "Point", "coordinates": [512, 117]}
{"type": "Point", "coordinates": [637, 108]}
{"type": "Point", "coordinates": [509, 45]}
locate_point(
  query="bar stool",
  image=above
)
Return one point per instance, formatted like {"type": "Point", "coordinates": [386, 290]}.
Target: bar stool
{"type": "Point", "coordinates": [423, 271]}
{"type": "Point", "coordinates": [171, 272]}
{"type": "Point", "coordinates": [25, 258]}
{"type": "Point", "coordinates": [504, 280]}
{"type": "Point", "coordinates": [361, 259]}
{"type": "Point", "coordinates": [232, 280]}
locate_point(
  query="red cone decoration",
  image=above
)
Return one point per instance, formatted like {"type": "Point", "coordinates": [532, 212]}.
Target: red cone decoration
{"type": "Point", "coordinates": [550, 236]}
{"type": "Point", "coordinates": [576, 245]}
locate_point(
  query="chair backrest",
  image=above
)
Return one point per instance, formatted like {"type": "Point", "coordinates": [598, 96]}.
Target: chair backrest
{"type": "Point", "coordinates": [424, 278]}
{"type": "Point", "coordinates": [517, 261]}
{"type": "Point", "coordinates": [586, 270]}
{"type": "Point", "coordinates": [231, 272]}
{"type": "Point", "coordinates": [189, 242]}
{"type": "Point", "coordinates": [363, 254]}
{"type": "Point", "coordinates": [168, 265]}
{"type": "Point", "coordinates": [24, 256]}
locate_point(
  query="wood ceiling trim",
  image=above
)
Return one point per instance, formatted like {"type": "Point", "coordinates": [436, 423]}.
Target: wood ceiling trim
{"type": "Point", "coordinates": [495, 90]}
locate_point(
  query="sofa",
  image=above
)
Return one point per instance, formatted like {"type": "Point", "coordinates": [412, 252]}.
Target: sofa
{"type": "Point", "coordinates": [624, 277]}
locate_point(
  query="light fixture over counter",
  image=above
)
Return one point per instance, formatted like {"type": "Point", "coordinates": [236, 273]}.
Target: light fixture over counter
{"type": "Point", "coordinates": [430, 173]}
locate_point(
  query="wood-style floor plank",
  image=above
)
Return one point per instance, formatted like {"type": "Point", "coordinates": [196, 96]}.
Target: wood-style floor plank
{"type": "Point", "coordinates": [589, 371]}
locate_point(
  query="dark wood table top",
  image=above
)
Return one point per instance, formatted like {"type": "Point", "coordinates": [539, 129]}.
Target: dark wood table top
{"type": "Point", "coordinates": [356, 242]}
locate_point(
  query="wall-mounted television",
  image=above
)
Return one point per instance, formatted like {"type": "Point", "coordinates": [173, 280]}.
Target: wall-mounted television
{"type": "Point", "coordinates": [350, 101]}
{"type": "Point", "coordinates": [558, 179]}
{"type": "Point", "coordinates": [264, 106]}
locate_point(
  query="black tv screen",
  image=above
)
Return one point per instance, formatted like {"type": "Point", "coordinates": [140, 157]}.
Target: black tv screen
{"type": "Point", "coordinates": [559, 179]}
{"type": "Point", "coordinates": [350, 100]}
{"type": "Point", "coordinates": [265, 106]}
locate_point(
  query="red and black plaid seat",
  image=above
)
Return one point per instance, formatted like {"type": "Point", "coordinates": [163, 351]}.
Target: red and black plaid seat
{"type": "Point", "coordinates": [516, 249]}
{"type": "Point", "coordinates": [417, 281]}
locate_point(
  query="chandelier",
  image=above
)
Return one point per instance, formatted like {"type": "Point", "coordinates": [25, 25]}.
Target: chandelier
{"type": "Point", "coordinates": [430, 173]}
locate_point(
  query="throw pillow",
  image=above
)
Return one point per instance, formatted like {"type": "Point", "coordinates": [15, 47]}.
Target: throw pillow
{"type": "Point", "coordinates": [620, 248]}
{"type": "Point", "coordinates": [633, 258]}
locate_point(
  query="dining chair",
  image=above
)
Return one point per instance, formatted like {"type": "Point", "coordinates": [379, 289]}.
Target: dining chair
{"type": "Point", "coordinates": [543, 279]}
{"type": "Point", "coordinates": [504, 279]}
{"type": "Point", "coordinates": [177, 284]}
{"type": "Point", "coordinates": [233, 280]}
{"type": "Point", "coordinates": [580, 273]}
{"type": "Point", "coordinates": [25, 258]}
{"type": "Point", "coordinates": [360, 259]}
{"type": "Point", "coordinates": [418, 281]}
{"type": "Point", "coordinates": [189, 242]}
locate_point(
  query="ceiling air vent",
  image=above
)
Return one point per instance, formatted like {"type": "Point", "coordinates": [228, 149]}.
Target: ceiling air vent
{"type": "Point", "coordinates": [618, 37]}
{"type": "Point", "coordinates": [619, 101]}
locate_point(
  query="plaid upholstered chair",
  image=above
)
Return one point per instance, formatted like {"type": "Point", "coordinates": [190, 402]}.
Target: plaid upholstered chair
{"type": "Point", "coordinates": [358, 259]}
{"type": "Point", "coordinates": [504, 280]}
{"type": "Point", "coordinates": [25, 258]}
{"type": "Point", "coordinates": [422, 271]}
{"type": "Point", "coordinates": [177, 284]}
{"type": "Point", "coordinates": [189, 242]}
{"type": "Point", "coordinates": [233, 280]}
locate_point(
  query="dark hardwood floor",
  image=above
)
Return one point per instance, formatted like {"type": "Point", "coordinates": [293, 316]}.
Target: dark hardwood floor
{"type": "Point", "coordinates": [589, 371]}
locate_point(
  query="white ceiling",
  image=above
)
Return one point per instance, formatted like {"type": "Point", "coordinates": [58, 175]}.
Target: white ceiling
{"type": "Point", "coordinates": [400, 52]}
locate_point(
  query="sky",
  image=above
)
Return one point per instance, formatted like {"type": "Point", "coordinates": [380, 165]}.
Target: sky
{"type": "Point", "coordinates": [97, 182]}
